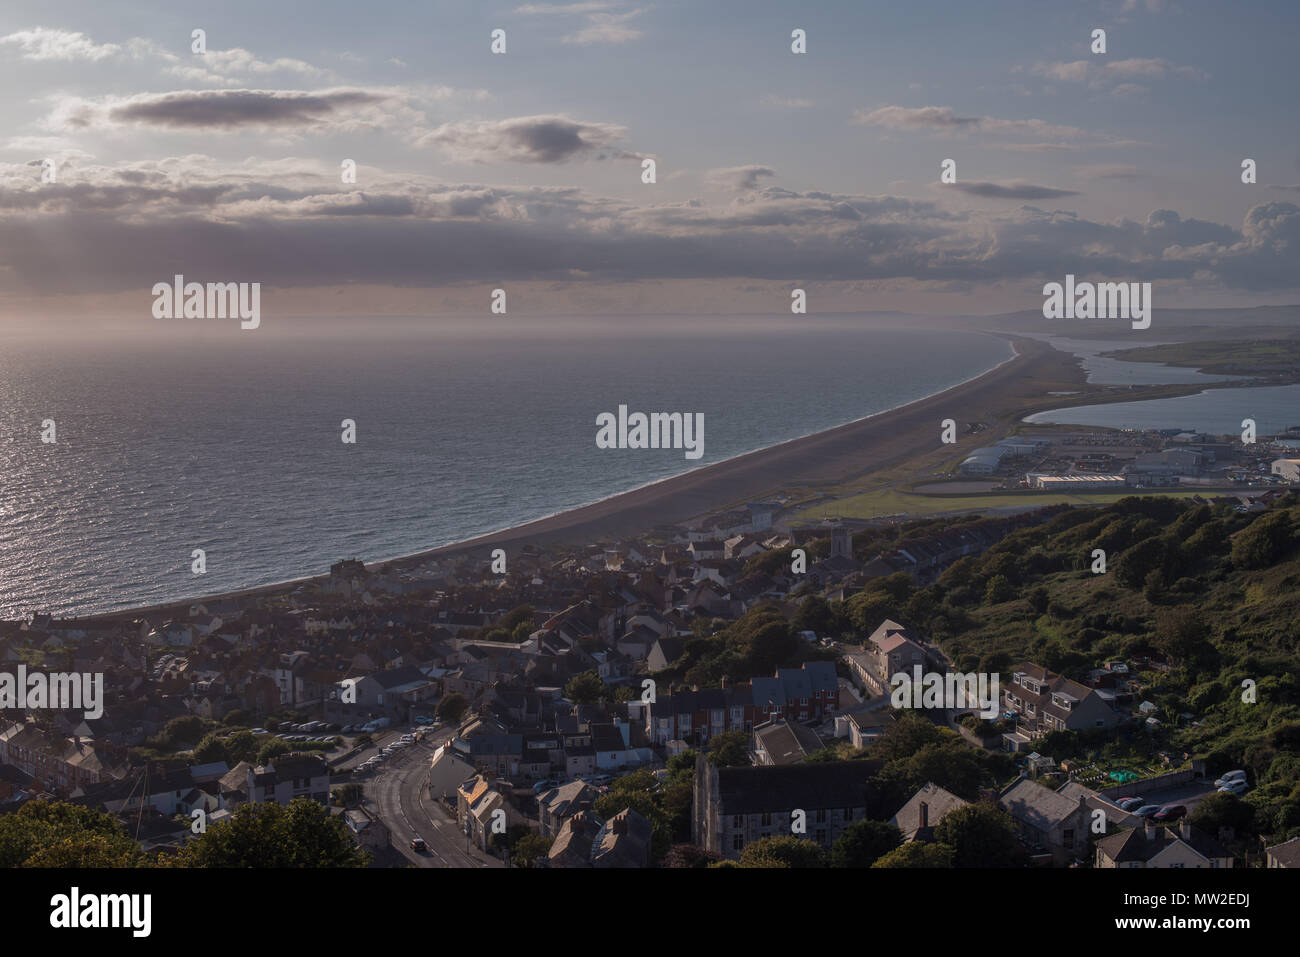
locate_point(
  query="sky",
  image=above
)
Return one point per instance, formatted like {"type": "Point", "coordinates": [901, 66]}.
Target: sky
{"type": "Point", "coordinates": [524, 170]}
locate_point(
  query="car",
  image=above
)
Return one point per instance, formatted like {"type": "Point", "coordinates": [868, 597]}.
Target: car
{"type": "Point", "coordinates": [1231, 776]}
{"type": "Point", "coordinates": [544, 785]}
{"type": "Point", "coordinates": [1170, 812]}
{"type": "Point", "coordinates": [1147, 810]}
{"type": "Point", "coordinates": [600, 779]}
{"type": "Point", "coordinates": [1129, 803]}
{"type": "Point", "coordinates": [418, 845]}
{"type": "Point", "coordinates": [1235, 786]}
{"type": "Point", "coordinates": [259, 731]}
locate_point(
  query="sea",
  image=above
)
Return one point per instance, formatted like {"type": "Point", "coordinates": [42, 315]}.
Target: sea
{"type": "Point", "coordinates": [176, 436]}
{"type": "Point", "coordinates": [1213, 411]}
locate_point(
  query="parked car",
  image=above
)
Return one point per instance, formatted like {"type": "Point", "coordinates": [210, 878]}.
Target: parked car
{"type": "Point", "coordinates": [1231, 776]}
{"type": "Point", "coordinates": [1129, 803]}
{"type": "Point", "coordinates": [1235, 786]}
{"type": "Point", "coordinates": [600, 779]}
{"type": "Point", "coordinates": [1170, 812]}
{"type": "Point", "coordinates": [1147, 810]}
{"type": "Point", "coordinates": [544, 785]}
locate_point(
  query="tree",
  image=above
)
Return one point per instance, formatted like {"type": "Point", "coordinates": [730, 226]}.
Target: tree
{"type": "Point", "coordinates": [303, 834]}
{"type": "Point", "coordinates": [784, 851]}
{"type": "Point", "coordinates": [210, 749]}
{"type": "Point", "coordinates": [917, 854]}
{"type": "Point", "coordinates": [863, 843]}
{"type": "Point", "coordinates": [980, 835]}
{"type": "Point", "coordinates": [689, 855]}
{"type": "Point", "coordinates": [58, 834]}
{"type": "Point", "coordinates": [529, 848]}
{"type": "Point", "coordinates": [348, 795]}
{"type": "Point", "coordinates": [729, 749]}
{"type": "Point", "coordinates": [1264, 541]}
{"type": "Point", "coordinates": [1133, 565]}
{"type": "Point", "coordinates": [452, 706]}
{"type": "Point", "coordinates": [586, 688]}
{"type": "Point", "coordinates": [998, 590]}
{"type": "Point", "coordinates": [272, 750]}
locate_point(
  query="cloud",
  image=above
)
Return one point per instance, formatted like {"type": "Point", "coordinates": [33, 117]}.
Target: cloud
{"type": "Point", "coordinates": [43, 43]}
{"type": "Point", "coordinates": [1015, 190]}
{"type": "Point", "coordinates": [1098, 74]}
{"type": "Point", "coordinates": [604, 24]}
{"type": "Point", "coordinates": [942, 119]}
{"type": "Point", "coordinates": [291, 223]}
{"type": "Point", "coordinates": [236, 66]}
{"type": "Point", "coordinates": [606, 28]}
{"type": "Point", "coordinates": [223, 110]}
{"type": "Point", "coordinates": [526, 139]}
{"type": "Point", "coordinates": [562, 9]}
{"type": "Point", "coordinates": [738, 178]}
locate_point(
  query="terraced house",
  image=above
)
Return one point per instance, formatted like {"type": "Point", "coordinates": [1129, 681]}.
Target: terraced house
{"type": "Point", "coordinates": [807, 693]}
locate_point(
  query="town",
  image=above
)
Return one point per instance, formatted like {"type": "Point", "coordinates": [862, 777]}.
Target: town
{"type": "Point", "coordinates": [688, 698]}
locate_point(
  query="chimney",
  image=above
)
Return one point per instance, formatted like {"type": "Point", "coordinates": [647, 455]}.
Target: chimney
{"type": "Point", "coordinates": [619, 824]}
{"type": "Point", "coordinates": [1185, 829]}
{"type": "Point", "coordinates": [1151, 830]}
{"type": "Point", "coordinates": [925, 814]}
{"type": "Point", "coordinates": [725, 682]}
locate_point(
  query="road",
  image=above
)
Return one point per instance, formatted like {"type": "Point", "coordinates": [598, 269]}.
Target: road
{"type": "Point", "coordinates": [400, 792]}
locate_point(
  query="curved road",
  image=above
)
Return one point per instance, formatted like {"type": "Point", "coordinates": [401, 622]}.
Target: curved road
{"type": "Point", "coordinates": [400, 791]}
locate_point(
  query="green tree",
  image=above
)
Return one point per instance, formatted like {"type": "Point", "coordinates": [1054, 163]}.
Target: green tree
{"type": "Point", "coordinates": [980, 835]}
{"type": "Point", "coordinates": [1264, 541]}
{"type": "Point", "coordinates": [729, 749]}
{"type": "Point", "coordinates": [917, 854]}
{"type": "Point", "coordinates": [998, 590]}
{"type": "Point", "coordinates": [303, 834]}
{"type": "Point", "coordinates": [452, 706]}
{"type": "Point", "coordinates": [58, 834]}
{"type": "Point", "coordinates": [784, 851]}
{"type": "Point", "coordinates": [210, 749]}
{"type": "Point", "coordinates": [271, 750]}
{"type": "Point", "coordinates": [529, 848]}
{"type": "Point", "coordinates": [863, 843]}
{"type": "Point", "coordinates": [586, 688]}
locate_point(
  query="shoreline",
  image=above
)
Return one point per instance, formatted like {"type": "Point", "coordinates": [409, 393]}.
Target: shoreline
{"type": "Point", "coordinates": [837, 453]}
{"type": "Point", "coordinates": [683, 497]}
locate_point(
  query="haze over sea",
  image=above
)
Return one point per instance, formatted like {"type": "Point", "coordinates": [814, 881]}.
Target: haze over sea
{"type": "Point", "coordinates": [184, 434]}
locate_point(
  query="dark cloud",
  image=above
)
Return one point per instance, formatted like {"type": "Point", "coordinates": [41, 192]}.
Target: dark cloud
{"type": "Point", "coordinates": [128, 228]}
{"type": "Point", "coordinates": [1010, 190]}
{"type": "Point", "coordinates": [526, 139]}
{"type": "Point", "coordinates": [224, 109]}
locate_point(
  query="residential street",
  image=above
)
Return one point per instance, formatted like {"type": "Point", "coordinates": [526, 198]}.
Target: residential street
{"type": "Point", "coordinates": [399, 791]}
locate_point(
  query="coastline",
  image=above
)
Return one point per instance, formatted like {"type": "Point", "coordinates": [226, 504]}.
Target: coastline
{"type": "Point", "coordinates": [839, 453]}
